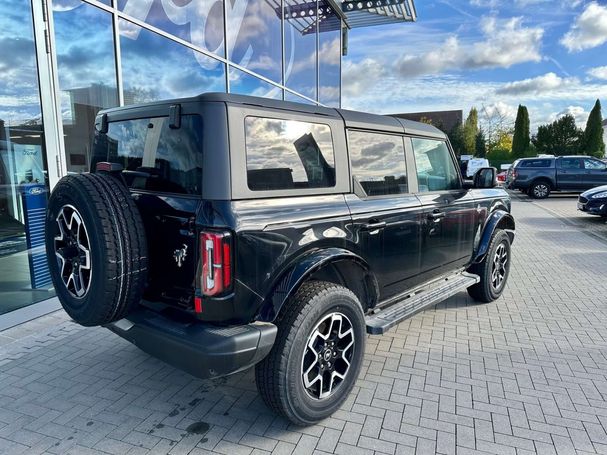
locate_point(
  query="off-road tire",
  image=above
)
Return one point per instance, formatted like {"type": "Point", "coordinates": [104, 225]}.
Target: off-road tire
{"type": "Point", "coordinates": [484, 291]}
{"type": "Point", "coordinates": [539, 190]}
{"type": "Point", "coordinates": [278, 376]}
{"type": "Point", "coordinates": [118, 248]}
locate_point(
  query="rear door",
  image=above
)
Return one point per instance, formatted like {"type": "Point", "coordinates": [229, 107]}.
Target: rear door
{"type": "Point", "coordinates": [570, 173]}
{"type": "Point", "coordinates": [449, 212]}
{"type": "Point", "coordinates": [386, 216]}
{"type": "Point", "coordinates": [163, 170]}
{"type": "Point", "coordinates": [595, 173]}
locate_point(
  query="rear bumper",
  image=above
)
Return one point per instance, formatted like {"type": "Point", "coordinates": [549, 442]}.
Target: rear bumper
{"type": "Point", "coordinates": [203, 350]}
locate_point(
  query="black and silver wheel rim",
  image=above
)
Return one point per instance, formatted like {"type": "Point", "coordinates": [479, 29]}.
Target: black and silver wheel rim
{"type": "Point", "coordinates": [540, 190]}
{"type": "Point", "coordinates": [73, 251]}
{"type": "Point", "coordinates": [500, 262]}
{"type": "Point", "coordinates": [327, 356]}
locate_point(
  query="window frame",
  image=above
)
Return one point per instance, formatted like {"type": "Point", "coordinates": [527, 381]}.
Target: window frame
{"type": "Point", "coordinates": [453, 161]}
{"type": "Point", "coordinates": [411, 184]}
{"type": "Point", "coordinates": [237, 136]}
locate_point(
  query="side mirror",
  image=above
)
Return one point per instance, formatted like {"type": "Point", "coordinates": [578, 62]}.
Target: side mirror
{"type": "Point", "coordinates": [485, 177]}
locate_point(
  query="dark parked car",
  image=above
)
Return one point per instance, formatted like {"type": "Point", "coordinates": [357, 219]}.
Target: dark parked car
{"type": "Point", "coordinates": [538, 177]}
{"type": "Point", "coordinates": [223, 231]}
{"type": "Point", "coordinates": [594, 201]}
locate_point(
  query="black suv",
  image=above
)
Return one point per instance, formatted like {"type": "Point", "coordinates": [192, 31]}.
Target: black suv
{"type": "Point", "coordinates": [223, 231]}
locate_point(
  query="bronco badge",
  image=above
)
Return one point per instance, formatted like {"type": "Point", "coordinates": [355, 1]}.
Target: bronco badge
{"type": "Point", "coordinates": [180, 254]}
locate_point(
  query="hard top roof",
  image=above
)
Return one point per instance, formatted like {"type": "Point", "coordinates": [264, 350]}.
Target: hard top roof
{"type": "Point", "coordinates": [352, 119]}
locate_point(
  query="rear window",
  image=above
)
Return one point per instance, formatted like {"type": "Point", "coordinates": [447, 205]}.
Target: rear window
{"type": "Point", "coordinates": [535, 163]}
{"type": "Point", "coordinates": [288, 154]}
{"type": "Point", "coordinates": [155, 157]}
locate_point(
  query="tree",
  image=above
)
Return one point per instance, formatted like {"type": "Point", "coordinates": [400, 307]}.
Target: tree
{"type": "Point", "coordinates": [481, 144]}
{"type": "Point", "coordinates": [496, 126]}
{"type": "Point", "coordinates": [470, 132]}
{"type": "Point", "coordinates": [456, 137]}
{"type": "Point", "coordinates": [593, 143]}
{"type": "Point", "coordinates": [561, 137]}
{"type": "Point", "coordinates": [521, 139]}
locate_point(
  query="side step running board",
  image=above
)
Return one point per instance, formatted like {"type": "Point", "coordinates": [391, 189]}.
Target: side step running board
{"type": "Point", "coordinates": [378, 323]}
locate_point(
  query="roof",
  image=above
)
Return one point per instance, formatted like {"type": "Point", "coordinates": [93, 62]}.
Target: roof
{"type": "Point", "coordinates": [302, 14]}
{"type": "Point", "coordinates": [352, 119]}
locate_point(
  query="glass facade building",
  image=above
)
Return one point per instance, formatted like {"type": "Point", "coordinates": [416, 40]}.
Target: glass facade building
{"type": "Point", "coordinates": [64, 60]}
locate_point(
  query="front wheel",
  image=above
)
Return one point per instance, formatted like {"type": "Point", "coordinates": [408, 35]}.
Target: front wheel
{"type": "Point", "coordinates": [317, 355]}
{"type": "Point", "coordinates": [493, 270]}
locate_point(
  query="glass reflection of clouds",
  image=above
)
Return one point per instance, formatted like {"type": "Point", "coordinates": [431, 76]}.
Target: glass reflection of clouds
{"type": "Point", "coordinates": [254, 37]}
{"type": "Point", "coordinates": [276, 144]}
{"type": "Point", "coordinates": [300, 55]}
{"type": "Point", "coordinates": [245, 84]}
{"type": "Point", "coordinates": [170, 71]}
{"type": "Point", "coordinates": [19, 96]}
{"type": "Point", "coordinates": [199, 22]}
{"type": "Point", "coordinates": [329, 61]}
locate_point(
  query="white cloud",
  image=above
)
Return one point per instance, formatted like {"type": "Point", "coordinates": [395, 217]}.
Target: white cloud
{"type": "Point", "coordinates": [599, 72]}
{"type": "Point", "coordinates": [537, 85]}
{"type": "Point", "coordinates": [589, 29]}
{"type": "Point", "coordinates": [505, 42]}
{"type": "Point", "coordinates": [578, 112]}
{"type": "Point", "coordinates": [501, 109]}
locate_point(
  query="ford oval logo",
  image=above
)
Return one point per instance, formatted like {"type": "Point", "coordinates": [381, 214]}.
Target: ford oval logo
{"type": "Point", "coordinates": [36, 191]}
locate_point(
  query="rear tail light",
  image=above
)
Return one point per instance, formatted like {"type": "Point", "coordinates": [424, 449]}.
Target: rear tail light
{"type": "Point", "coordinates": [216, 254]}
{"type": "Point", "coordinates": [514, 174]}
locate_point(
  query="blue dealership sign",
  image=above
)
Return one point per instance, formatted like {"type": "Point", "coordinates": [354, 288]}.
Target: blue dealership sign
{"type": "Point", "coordinates": [34, 196]}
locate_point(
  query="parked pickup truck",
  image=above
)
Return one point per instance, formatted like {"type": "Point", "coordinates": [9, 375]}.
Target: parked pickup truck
{"type": "Point", "coordinates": [538, 177]}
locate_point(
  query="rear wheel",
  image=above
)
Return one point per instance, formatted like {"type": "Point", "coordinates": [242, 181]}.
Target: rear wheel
{"type": "Point", "coordinates": [539, 190]}
{"type": "Point", "coordinates": [96, 248]}
{"type": "Point", "coordinates": [493, 270]}
{"type": "Point", "coordinates": [317, 356]}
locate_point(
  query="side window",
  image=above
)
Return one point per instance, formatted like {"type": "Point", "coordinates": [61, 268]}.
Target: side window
{"type": "Point", "coordinates": [571, 163]}
{"type": "Point", "coordinates": [594, 165]}
{"type": "Point", "coordinates": [435, 167]}
{"type": "Point", "coordinates": [154, 156]}
{"type": "Point", "coordinates": [288, 154]}
{"type": "Point", "coordinates": [535, 163]}
{"type": "Point", "coordinates": [378, 163]}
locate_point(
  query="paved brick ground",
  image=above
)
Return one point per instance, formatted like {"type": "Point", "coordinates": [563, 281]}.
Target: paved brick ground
{"type": "Point", "coordinates": [524, 374]}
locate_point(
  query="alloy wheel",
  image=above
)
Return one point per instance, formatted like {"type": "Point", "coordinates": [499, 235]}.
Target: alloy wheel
{"type": "Point", "coordinates": [500, 261]}
{"type": "Point", "coordinates": [73, 251]}
{"type": "Point", "coordinates": [327, 355]}
{"type": "Point", "coordinates": [540, 190]}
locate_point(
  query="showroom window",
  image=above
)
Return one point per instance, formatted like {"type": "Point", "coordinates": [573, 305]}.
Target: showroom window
{"type": "Point", "coordinates": [378, 163]}
{"type": "Point", "coordinates": [198, 22]}
{"type": "Point", "coordinates": [24, 277]}
{"type": "Point", "coordinates": [329, 56]}
{"type": "Point", "coordinates": [245, 84]}
{"type": "Point", "coordinates": [87, 75]}
{"type": "Point", "coordinates": [254, 37]}
{"type": "Point", "coordinates": [288, 154]}
{"type": "Point", "coordinates": [300, 49]}
{"type": "Point", "coordinates": [171, 70]}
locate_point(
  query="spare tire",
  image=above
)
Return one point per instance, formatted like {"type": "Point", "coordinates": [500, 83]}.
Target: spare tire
{"type": "Point", "coordinates": [96, 248]}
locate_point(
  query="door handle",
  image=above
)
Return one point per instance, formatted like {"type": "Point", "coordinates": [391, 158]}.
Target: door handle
{"type": "Point", "coordinates": [373, 225]}
{"type": "Point", "coordinates": [436, 215]}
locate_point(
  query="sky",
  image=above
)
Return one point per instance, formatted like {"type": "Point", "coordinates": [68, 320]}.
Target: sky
{"type": "Point", "coordinates": [491, 54]}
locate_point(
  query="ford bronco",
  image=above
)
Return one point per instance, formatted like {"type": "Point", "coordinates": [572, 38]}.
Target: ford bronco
{"type": "Point", "coordinates": [222, 232]}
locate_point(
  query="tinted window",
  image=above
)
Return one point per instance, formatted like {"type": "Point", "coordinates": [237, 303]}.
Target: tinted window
{"type": "Point", "coordinates": [288, 154]}
{"type": "Point", "coordinates": [378, 163]}
{"type": "Point", "coordinates": [572, 163]}
{"type": "Point", "coordinates": [595, 165]}
{"type": "Point", "coordinates": [435, 168]}
{"type": "Point", "coordinates": [154, 156]}
{"type": "Point", "coordinates": [535, 163]}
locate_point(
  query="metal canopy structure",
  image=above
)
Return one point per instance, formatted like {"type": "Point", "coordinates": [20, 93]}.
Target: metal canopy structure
{"type": "Point", "coordinates": [354, 13]}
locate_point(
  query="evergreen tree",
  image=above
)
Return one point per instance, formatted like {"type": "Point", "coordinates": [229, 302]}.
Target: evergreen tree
{"type": "Point", "coordinates": [593, 143]}
{"type": "Point", "coordinates": [561, 137]}
{"type": "Point", "coordinates": [521, 139]}
{"type": "Point", "coordinates": [481, 144]}
{"type": "Point", "coordinates": [456, 137]}
{"type": "Point", "coordinates": [470, 132]}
